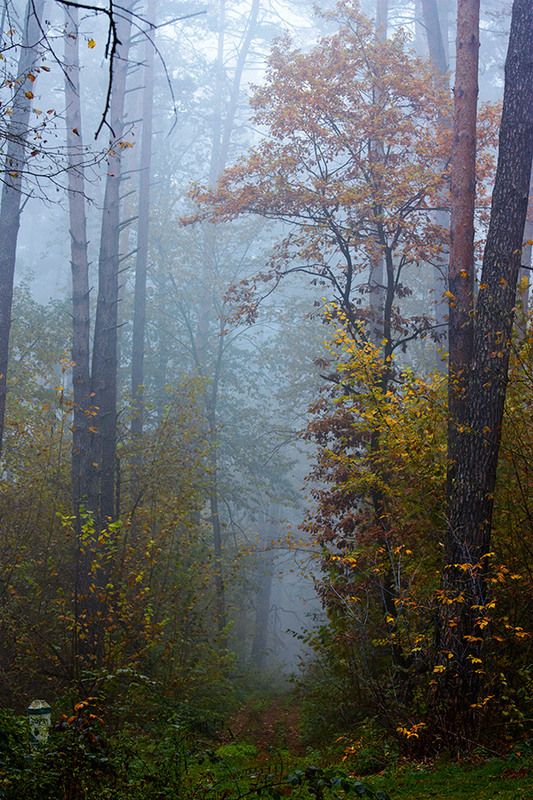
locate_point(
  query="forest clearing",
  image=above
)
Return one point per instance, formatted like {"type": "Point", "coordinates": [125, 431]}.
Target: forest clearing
{"type": "Point", "coordinates": [266, 382]}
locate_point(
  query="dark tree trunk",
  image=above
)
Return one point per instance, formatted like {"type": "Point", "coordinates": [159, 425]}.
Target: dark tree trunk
{"type": "Point", "coordinates": [477, 446]}
{"type": "Point", "coordinates": [15, 164]}
{"type": "Point", "coordinates": [105, 355]}
{"type": "Point", "coordinates": [84, 485]}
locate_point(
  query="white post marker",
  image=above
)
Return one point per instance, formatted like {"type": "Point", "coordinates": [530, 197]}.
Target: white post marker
{"type": "Point", "coordinates": [40, 718]}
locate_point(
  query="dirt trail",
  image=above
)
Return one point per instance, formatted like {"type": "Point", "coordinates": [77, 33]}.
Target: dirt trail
{"type": "Point", "coordinates": [267, 725]}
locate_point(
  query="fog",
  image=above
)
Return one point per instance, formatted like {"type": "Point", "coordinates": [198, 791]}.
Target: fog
{"type": "Point", "coordinates": [202, 372]}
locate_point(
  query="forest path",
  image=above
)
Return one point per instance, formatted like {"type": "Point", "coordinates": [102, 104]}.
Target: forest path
{"type": "Point", "coordinates": [268, 724]}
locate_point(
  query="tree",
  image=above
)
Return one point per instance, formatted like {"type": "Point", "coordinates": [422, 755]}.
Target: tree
{"type": "Point", "coordinates": [82, 472]}
{"type": "Point", "coordinates": [105, 349]}
{"type": "Point", "coordinates": [139, 316]}
{"type": "Point", "coordinates": [347, 204]}
{"type": "Point", "coordinates": [317, 172]}
{"type": "Point", "coordinates": [476, 446]}
{"type": "Point", "coordinates": [16, 156]}
{"type": "Point", "coordinates": [463, 182]}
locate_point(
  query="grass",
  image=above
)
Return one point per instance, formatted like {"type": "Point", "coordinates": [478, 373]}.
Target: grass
{"type": "Point", "coordinates": [493, 779]}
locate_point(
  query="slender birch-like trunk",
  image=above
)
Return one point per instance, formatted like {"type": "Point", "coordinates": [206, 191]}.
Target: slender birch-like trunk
{"type": "Point", "coordinates": [14, 166]}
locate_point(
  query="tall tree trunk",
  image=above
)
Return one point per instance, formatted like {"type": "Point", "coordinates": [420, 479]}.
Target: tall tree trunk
{"type": "Point", "coordinates": [437, 39]}
{"type": "Point", "coordinates": [15, 164]}
{"type": "Point", "coordinates": [84, 476]}
{"type": "Point", "coordinates": [477, 446]}
{"type": "Point", "coordinates": [104, 362]}
{"type": "Point", "coordinates": [143, 224]}
{"type": "Point", "coordinates": [83, 472]}
{"type": "Point", "coordinates": [376, 270]}
{"type": "Point", "coordinates": [463, 187]}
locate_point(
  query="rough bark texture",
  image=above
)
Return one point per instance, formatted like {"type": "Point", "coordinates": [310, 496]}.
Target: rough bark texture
{"type": "Point", "coordinates": [12, 184]}
{"type": "Point", "coordinates": [477, 446]}
{"type": "Point", "coordinates": [463, 188]}
{"type": "Point", "coordinates": [83, 473]}
{"type": "Point", "coordinates": [104, 362]}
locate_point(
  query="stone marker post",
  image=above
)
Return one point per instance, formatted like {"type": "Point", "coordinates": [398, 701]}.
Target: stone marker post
{"type": "Point", "coordinates": [40, 719]}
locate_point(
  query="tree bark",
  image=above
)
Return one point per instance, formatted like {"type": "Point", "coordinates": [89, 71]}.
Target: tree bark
{"type": "Point", "coordinates": [477, 446]}
{"type": "Point", "coordinates": [143, 224]}
{"type": "Point", "coordinates": [463, 188]}
{"type": "Point", "coordinates": [84, 489]}
{"type": "Point", "coordinates": [12, 184]}
{"type": "Point", "coordinates": [105, 361]}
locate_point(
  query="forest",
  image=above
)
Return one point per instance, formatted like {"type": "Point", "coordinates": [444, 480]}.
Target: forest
{"type": "Point", "coordinates": [266, 394]}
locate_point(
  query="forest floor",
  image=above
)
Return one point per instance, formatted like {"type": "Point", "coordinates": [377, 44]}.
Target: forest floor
{"type": "Point", "coordinates": [272, 725]}
{"type": "Point", "coordinates": [268, 724]}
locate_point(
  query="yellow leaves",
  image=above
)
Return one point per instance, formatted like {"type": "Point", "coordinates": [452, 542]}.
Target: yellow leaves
{"type": "Point", "coordinates": [411, 732]}
{"type": "Point", "coordinates": [29, 95]}
{"type": "Point", "coordinates": [91, 43]}
{"type": "Point", "coordinates": [483, 703]}
{"type": "Point", "coordinates": [439, 668]}
{"type": "Point", "coordinates": [125, 144]}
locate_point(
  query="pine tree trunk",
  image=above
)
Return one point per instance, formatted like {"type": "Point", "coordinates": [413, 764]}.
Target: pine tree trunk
{"type": "Point", "coordinates": [477, 446]}
{"type": "Point", "coordinates": [15, 164]}
{"type": "Point", "coordinates": [463, 185]}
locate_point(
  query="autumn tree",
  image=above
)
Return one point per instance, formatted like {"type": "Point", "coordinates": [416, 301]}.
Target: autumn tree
{"type": "Point", "coordinates": [349, 169]}
{"type": "Point", "coordinates": [318, 173]}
